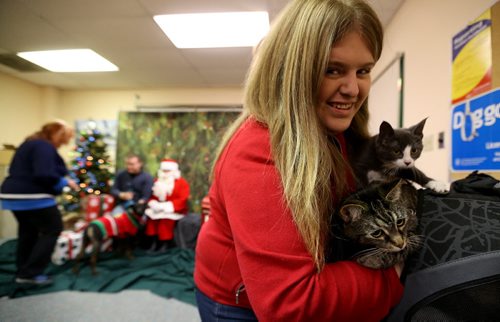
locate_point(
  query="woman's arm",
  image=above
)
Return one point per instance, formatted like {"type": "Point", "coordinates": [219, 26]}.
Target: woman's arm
{"type": "Point", "coordinates": [48, 168]}
{"type": "Point", "coordinates": [279, 275]}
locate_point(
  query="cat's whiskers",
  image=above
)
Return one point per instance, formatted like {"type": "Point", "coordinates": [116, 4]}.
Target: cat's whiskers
{"type": "Point", "coordinates": [370, 252]}
{"type": "Point", "coordinates": [415, 240]}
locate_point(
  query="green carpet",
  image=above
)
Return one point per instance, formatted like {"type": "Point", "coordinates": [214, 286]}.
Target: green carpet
{"type": "Point", "coordinates": [168, 274]}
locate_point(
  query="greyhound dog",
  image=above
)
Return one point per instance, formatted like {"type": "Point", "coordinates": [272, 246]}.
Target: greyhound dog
{"type": "Point", "coordinates": [121, 227]}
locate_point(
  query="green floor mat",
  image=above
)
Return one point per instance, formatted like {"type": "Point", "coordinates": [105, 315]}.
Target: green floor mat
{"type": "Point", "coordinates": [168, 274]}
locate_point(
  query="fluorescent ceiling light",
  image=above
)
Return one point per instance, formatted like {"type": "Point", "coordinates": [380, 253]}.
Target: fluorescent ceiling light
{"type": "Point", "coordinates": [69, 60]}
{"type": "Point", "coordinates": [211, 30]}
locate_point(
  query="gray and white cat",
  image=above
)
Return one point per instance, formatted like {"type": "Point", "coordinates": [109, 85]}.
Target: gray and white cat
{"type": "Point", "coordinates": [381, 220]}
{"type": "Point", "coordinates": [391, 154]}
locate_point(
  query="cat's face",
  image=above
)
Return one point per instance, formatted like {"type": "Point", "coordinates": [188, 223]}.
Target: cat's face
{"type": "Point", "coordinates": [381, 215]}
{"type": "Point", "coordinates": [399, 148]}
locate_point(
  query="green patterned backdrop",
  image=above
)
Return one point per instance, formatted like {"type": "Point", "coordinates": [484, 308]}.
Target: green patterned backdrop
{"type": "Point", "coordinates": [191, 138]}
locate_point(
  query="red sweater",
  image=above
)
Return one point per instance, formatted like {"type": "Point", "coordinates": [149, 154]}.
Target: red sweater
{"type": "Point", "coordinates": [119, 225]}
{"type": "Point", "coordinates": [251, 240]}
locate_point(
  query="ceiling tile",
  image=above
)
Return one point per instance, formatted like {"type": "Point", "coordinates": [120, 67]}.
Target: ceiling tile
{"type": "Point", "coordinates": [124, 32]}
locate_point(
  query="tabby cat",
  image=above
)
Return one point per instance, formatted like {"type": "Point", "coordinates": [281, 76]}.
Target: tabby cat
{"type": "Point", "coordinates": [376, 226]}
{"type": "Point", "coordinates": [391, 154]}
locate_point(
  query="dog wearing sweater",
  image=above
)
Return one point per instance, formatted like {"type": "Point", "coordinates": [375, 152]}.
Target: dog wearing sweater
{"type": "Point", "coordinates": [120, 227]}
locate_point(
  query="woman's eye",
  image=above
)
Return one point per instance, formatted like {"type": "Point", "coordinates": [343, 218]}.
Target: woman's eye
{"type": "Point", "coordinates": [364, 71]}
{"type": "Point", "coordinates": [400, 222]}
{"type": "Point", "coordinates": [332, 71]}
{"type": "Point", "coordinates": [377, 233]}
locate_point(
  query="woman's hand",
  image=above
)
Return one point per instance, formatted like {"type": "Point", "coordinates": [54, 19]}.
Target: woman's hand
{"type": "Point", "coordinates": [73, 185]}
{"type": "Point", "coordinates": [126, 195]}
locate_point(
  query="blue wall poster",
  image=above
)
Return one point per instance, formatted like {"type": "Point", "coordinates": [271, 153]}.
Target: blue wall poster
{"type": "Point", "coordinates": [475, 137]}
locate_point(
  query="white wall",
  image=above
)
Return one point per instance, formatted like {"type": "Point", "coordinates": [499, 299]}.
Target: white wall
{"type": "Point", "coordinates": [21, 111]}
{"type": "Point", "coordinates": [76, 105]}
{"type": "Point", "coordinates": [106, 105]}
{"type": "Point", "coordinates": [423, 30]}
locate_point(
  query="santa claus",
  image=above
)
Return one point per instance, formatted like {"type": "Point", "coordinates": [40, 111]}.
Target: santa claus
{"type": "Point", "coordinates": [168, 203]}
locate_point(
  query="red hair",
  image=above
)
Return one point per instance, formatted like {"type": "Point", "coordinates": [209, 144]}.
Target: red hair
{"type": "Point", "coordinates": [48, 130]}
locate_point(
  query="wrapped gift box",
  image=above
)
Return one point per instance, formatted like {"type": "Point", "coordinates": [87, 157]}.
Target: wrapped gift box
{"type": "Point", "coordinates": [98, 205]}
{"type": "Point", "coordinates": [69, 245]}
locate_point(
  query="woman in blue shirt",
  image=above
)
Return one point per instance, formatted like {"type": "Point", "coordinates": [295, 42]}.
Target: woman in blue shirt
{"type": "Point", "coordinates": [36, 175]}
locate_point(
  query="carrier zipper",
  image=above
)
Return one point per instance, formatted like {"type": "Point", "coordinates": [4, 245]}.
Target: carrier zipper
{"type": "Point", "coordinates": [241, 288]}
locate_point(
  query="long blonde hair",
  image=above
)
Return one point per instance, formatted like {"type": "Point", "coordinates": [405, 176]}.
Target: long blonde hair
{"type": "Point", "coordinates": [281, 91]}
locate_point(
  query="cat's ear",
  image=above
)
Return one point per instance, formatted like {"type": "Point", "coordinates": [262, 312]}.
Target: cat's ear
{"type": "Point", "coordinates": [351, 212]}
{"type": "Point", "coordinates": [386, 127]}
{"type": "Point", "coordinates": [385, 130]}
{"type": "Point", "coordinates": [396, 191]}
{"type": "Point", "coordinates": [418, 129]}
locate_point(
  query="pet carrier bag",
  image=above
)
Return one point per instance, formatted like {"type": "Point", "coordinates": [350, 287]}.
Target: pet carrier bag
{"type": "Point", "coordinates": [455, 276]}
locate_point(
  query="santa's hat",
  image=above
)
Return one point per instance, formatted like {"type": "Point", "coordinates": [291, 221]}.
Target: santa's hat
{"type": "Point", "coordinates": [169, 164]}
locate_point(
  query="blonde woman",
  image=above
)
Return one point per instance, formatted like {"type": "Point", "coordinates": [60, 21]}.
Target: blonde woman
{"type": "Point", "coordinates": [282, 167]}
{"type": "Point", "coordinates": [36, 174]}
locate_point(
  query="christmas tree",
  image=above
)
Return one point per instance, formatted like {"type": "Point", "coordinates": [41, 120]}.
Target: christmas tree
{"type": "Point", "coordinates": [90, 168]}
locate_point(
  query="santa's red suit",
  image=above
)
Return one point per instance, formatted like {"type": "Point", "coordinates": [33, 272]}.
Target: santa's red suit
{"type": "Point", "coordinates": [168, 200]}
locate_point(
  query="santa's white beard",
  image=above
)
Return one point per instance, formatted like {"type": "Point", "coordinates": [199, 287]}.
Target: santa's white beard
{"type": "Point", "coordinates": [163, 175]}
{"type": "Point", "coordinates": [163, 187]}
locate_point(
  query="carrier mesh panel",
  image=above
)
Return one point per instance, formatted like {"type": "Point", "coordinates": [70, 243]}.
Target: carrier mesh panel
{"type": "Point", "coordinates": [464, 224]}
{"type": "Point", "coordinates": [455, 227]}
{"type": "Point", "coordinates": [479, 302]}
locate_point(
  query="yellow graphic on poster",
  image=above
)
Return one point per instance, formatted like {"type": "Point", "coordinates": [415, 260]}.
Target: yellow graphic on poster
{"type": "Point", "coordinates": [471, 69]}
